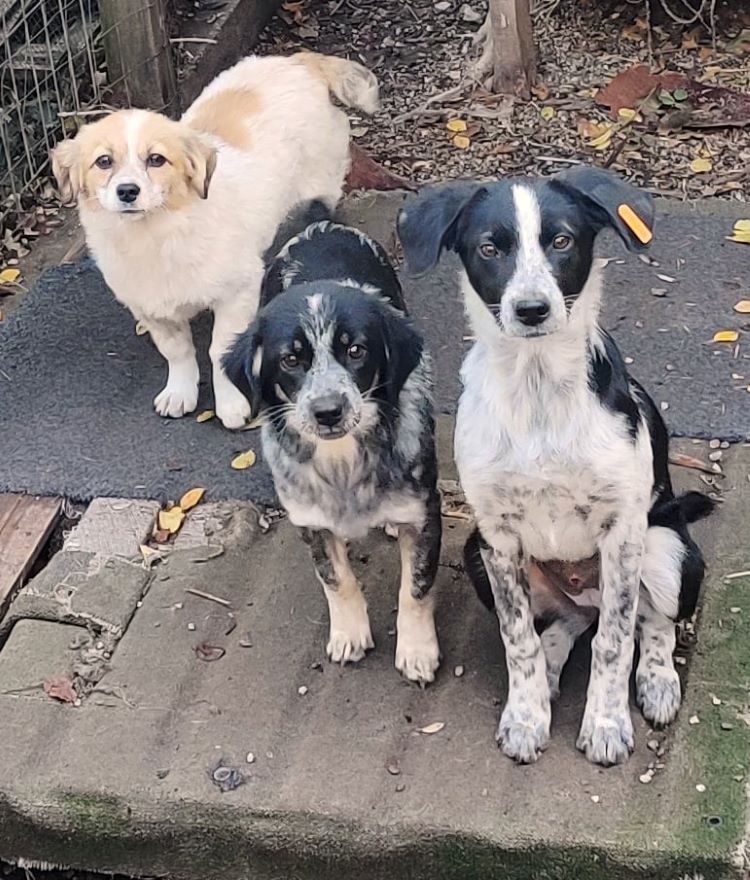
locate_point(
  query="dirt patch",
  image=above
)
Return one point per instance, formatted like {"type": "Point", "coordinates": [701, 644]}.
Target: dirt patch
{"type": "Point", "coordinates": [423, 49]}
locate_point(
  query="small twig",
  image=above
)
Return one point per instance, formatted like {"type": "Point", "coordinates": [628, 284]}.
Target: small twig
{"type": "Point", "coordinates": [208, 40]}
{"type": "Point", "coordinates": [688, 461]}
{"type": "Point", "coordinates": [209, 596]}
{"type": "Point", "coordinates": [737, 574]}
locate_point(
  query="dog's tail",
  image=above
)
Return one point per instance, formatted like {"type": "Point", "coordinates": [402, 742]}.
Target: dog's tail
{"type": "Point", "coordinates": [353, 84]}
{"type": "Point", "coordinates": [686, 509]}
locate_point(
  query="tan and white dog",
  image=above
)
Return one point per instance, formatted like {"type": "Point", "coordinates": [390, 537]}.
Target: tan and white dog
{"type": "Point", "coordinates": [178, 215]}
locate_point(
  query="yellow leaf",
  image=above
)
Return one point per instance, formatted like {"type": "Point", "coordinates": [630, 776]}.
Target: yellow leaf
{"type": "Point", "coordinates": [741, 232]}
{"type": "Point", "coordinates": [743, 307]}
{"type": "Point", "coordinates": [627, 113]}
{"type": "Point", "coordinates": [699, 166]}
{"type": "Point", "coordinates": [602, 141]}
{"type": "Point", "coordinates": [742, 226]}
{"type": "Point", "coordinates": [205, 416]}
{"type": "Point", "coordinates": [191, 498]}
{"type": "Point", "coordinates": [141, 329]}
{"type": "Point", "coordinates": [433, 728]}
{"type": "Point", "coordinates": [171, 520]}
{"type": "Point", "coordinates": [726, 336]}
{"type": "Point", "coordinates": [456, 125]}
{"type": "Point", "coordinates": [8, 276]}
{"type": "Point", "coordinates": [244, 460]}
{"type": "Point", "coordinates": [547, 113]}
{"type": "Point", "coordinates": [461, 141]}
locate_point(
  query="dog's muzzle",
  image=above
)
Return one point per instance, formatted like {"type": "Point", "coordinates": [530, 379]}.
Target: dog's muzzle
{"type": "Point", "coordinates": [532, 312]}
{"type": "Point", "coordinates": [328, 412]}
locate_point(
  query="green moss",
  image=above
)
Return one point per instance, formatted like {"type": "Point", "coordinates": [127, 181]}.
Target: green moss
{"type": "Point", "coordinates": [100, 816]}
{"type": "Point", "coordinates": [717, 750]}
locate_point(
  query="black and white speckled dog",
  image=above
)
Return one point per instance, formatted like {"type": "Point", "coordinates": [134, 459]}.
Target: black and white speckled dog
{"type": "Point", "coordinates": [344, 381]}
{"type": "Point", "coordinates": [562, 455]}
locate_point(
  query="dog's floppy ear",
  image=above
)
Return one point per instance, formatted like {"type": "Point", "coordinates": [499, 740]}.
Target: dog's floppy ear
{"type": "Point", "coordinates": [426, 220]}
{"type": "Point", "coordinates": [242, 364]}
{"type": "Point", "coordinates": [201, 162]}
{"type": "Point", "coordinates": [403, 351]}
{"type": "Point", "coordinates": [66, 166]}
{"type": "Point", "coordinates": [612, 202]}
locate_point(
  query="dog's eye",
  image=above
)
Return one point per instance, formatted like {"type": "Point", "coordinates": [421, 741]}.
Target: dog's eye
{"type": "Point", "coordinates": [356, 352]}
{"type": "Point", "coordinates": [104, 162]}
{"type": "Point", "coordinates": [155, 160]}
{"type": "Point", "coordinates": [290, 361]}
{"type": "Point", "coordinates": [488, 250]}
{"type": "Point", "coordinates": [562, 242]}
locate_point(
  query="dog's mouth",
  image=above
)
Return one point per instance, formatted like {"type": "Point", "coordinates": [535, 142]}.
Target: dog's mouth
{"type": "Point", "coordinates": [332, 433]}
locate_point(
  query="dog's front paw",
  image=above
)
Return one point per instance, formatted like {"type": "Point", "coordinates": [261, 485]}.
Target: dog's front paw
{"type": "Point", "coordinates": [659, 694]}
{"type": "Point", "coordinates": [523, 732]}
{"type": "Point", "coordinates": [232, 408]}
{"type": "Point", "coordinates": [350, 636]}
{"type": "Point", "coordinates": [417, 649]}
{"type": "Point", "coordinates": [177, 399]}
{"type": "Point", "coordinates": [606, 739]}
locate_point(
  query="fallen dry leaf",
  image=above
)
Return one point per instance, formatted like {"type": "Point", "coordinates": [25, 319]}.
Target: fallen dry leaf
{"type": "Point", "coordinates": [209, 653]}
{"type": "Point", "coordinates": [205, 416]}
{"type": "Point", "coordinates": [243, 461]}
{"type": "Point", "coordinates": [365, 173]}
{"type": "Point", "coordinates": [171, 520]}
{"type": "Point", "coordinates": [60, 688]}
{"type": "Point", "coordinates": [461, 141]}
{"type": "Point", "coordinates": [688, 461]}
{"type": "Point", "coordinates": [740, 232]}
{"type": "Point", "coordinates": [726, 336]}
{"type": "Point", "coordinates": [161, 536]}
{"type": "Point", "coordinates": [547, 113]}
{"type": "Point", "coordinates": [743, 307]}
{"type": "Point", "coordinates": [602, 141]}
{"type": "Point", "coordinates": [700, 166]}
{"type": "Point", "coordinates": [630, 87]}
{"type": "Point", "coordinates": [9, 276]}
{"type": "Point", "coordinates": [668, 278]}
{"type": "Point", "coordinates": [191, 498]}
{"type": "Point", "coordinates": [436, 727]}
{"type": "Point", "coordinates": [456, 125]}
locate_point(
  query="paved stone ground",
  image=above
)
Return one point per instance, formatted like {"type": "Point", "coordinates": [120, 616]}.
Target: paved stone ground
{"type": "Point", "coordinates": [123, 782]}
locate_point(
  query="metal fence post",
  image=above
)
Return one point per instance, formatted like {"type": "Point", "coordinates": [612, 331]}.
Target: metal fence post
{"type": "Point", "coordinates": [138, 53]}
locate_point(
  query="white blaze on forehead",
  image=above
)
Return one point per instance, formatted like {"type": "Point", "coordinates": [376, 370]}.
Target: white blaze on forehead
{"type": "Point", "coordinates": [314, 302]}
{"type": "Point", "coordinates": [133, 126]}
{"type": "Point", "coordinates": [528, 227]}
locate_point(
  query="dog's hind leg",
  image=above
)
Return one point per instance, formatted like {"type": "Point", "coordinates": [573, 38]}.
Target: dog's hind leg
{"type": "Point", "coordinates": [558, 640]}
{"type": "Point", "coordinates": [656, 680]}
{"type": "Point", "coordinates": [350, 635]}
{"type": "Point", "coordinates": [174, 340]}
{"type": "Point", "coordinates": [417, 650]}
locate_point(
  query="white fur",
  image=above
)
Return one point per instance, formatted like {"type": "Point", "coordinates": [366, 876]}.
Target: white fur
{"type": "Point", "coordinates": [170, 265]}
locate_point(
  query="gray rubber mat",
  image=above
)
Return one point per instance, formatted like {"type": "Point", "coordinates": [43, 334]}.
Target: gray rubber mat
{"type": "Point", "coordinates": [76, 383]}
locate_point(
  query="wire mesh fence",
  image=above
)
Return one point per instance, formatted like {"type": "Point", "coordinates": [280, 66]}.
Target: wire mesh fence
{"type": "Point", "coordinates": [63, 61]}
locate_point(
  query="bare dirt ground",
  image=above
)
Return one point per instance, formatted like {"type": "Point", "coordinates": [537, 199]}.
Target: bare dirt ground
{"type": "Point", "coordinates": [423, 49]}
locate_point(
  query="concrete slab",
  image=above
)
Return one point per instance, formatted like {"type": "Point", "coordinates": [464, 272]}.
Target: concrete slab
{"type": "Point", "coordinates": [113, 527]}
{"type": "Point", "coordinates": [84, 589]}
{"type": "Point", "coordinates": [342, 782]}
{"type": "Point", "coordinates": [37, 650]}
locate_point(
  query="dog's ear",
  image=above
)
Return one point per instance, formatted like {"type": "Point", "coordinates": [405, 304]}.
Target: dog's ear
{"type": "Point", "coordinates": [66, 166]}
{"type": "Point", "coordinates": [612, 202]}
{"type": "Point", "coordinates": [403, 351]}
{"type": "Point", "coordinates": [242, 364]}
{"type": "Point", "coordinates": [426, 222]}
{"type": "Point", "coordinates": [201, 162]}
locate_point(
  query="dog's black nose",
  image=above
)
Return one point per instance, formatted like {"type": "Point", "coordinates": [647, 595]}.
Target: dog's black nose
{"type": "Point", "coordinates": [328, 410]}
{"type": "Point", "coordinates": [128, 192]}
{"type": "Point", "coordinates": [532, 311]}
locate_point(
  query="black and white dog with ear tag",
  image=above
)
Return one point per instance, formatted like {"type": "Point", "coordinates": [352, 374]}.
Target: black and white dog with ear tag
{"type": "Point", "coordinates": [562, 455]}
{"type": "Point", "coordinates": [342, 378]}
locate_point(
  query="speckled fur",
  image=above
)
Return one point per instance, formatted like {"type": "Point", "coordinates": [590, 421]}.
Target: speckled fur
{"type": "Point", "coordinates": [561, 455]}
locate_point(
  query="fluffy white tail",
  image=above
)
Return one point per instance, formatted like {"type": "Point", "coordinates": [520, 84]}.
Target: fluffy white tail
{"type": "Point", "coordinates": [353, 84]}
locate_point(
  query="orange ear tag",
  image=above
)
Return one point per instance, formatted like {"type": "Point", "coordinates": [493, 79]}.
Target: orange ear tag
{"type": "Point", "coordinates": [635, 224]}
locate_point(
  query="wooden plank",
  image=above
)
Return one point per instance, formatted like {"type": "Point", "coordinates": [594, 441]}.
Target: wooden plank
{"type": "Point", "coordinates": [514, 56]}
{"type": "Point", "coordinates": [25, 525]}
{"type": "Point", "coordinates": [139, 54]}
